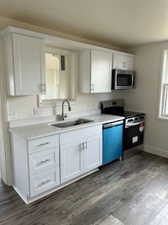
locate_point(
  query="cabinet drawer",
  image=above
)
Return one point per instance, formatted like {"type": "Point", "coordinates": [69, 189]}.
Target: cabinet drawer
{"type": "Point", "coordinates": [43, 143]}
{"type": "Point", "coordinates": [80, 135]}
{"type": "Point", "coordinates": [43, 182]}
{"type": "Point", "coordinates": [44, 160]}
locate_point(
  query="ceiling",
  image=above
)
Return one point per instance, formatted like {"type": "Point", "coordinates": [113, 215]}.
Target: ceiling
{"type": "Point", "coordinates": [121, 22]}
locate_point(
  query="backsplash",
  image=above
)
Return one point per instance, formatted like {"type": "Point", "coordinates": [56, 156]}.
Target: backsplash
{"type": "Point", "coordinates": [26, 107]}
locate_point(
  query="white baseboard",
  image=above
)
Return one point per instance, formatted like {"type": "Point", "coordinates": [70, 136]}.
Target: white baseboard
{"type": "Point", "coordinates": [20, 194]}
{"type": "Point", "coordinates": [156, 151]}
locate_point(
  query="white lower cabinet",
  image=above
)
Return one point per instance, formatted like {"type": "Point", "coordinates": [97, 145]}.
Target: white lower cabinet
{"type": "Point", "coordinates": [44, 171]}
{"type": "Point", "coordinates": [43, 165]}
{"type": "Point", "coordinates": [71, 162]}
{"type": "Point", "coordinates": [36, 166]}
{"type": "Point", "coordinates": [82, 152]}
{"type": "Point", "coordinates": [93, 153]}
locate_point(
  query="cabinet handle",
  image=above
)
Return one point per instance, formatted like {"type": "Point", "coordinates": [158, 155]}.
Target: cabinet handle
{"type": "Point", "coordinates": [43, 183]}
{"type": "Point", "coordinates": [84, 145]}
{"type": "Point", "coordinates": [43, 162]}
{"type": "Point", "coordinates": [81, 147]}
{"type": "Point", "coordinates": [42, 144]}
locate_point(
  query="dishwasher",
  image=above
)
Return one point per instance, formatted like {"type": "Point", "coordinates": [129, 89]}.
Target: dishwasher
{"type": "Point", "coordinates": [112, 141]}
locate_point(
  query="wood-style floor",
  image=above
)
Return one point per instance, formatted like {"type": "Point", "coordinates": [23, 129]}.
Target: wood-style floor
{"type": "Point", "coordinates": [130, 192]}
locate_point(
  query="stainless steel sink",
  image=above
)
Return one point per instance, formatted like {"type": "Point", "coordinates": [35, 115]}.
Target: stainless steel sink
{"type": "Point", "coordinates": [72, 123]}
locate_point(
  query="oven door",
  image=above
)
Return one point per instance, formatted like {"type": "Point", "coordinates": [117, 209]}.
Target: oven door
{"type": "Point", "coordinates": [134, 135]}
{"type": "Point", "coordinates": [123, 80]}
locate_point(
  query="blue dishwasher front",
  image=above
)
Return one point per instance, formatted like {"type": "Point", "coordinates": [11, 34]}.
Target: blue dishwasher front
{"type": "Point", "coordinates": [112, 141]}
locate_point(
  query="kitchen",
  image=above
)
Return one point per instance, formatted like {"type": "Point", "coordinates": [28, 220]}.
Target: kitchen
{"type": "Point", "coordinates": [66, 126]}
{"type": "Point", "coordinates": [63, 161]}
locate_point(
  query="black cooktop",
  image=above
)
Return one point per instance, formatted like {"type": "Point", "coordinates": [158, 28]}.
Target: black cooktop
{"type": "Point", "coordinates": [116, 108]}
{"type": "Point", "coordinates": [129, 114]}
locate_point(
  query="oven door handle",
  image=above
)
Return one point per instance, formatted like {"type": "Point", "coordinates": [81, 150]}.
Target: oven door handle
{"type": "Point", "coordinates": [134, 124]}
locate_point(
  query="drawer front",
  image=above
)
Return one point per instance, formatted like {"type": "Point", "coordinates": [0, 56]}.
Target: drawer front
{"type": "Point", "coordinates": [79, 136]}
{"type": "Point", "coordinates": [44, 160]}
{"type": "Point", "coordinates": [43, 182]}
{"type": "Point", "coordinates": [43, 143]}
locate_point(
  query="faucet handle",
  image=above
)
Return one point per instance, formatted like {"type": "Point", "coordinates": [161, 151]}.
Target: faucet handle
{"type": "Point", "coordinates": [65, 115]}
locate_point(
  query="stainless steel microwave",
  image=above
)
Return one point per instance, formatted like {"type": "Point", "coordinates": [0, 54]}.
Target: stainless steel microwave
{"type": "Point", "coordinates": [123, 79]}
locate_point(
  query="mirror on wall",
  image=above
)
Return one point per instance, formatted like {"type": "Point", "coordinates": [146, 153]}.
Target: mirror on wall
{"type": "Point", "coordinates": [60, 74]}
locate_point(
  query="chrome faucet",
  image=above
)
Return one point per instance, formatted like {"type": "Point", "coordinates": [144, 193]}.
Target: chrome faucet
{"type": "Point", "coordinates": [69, 108]}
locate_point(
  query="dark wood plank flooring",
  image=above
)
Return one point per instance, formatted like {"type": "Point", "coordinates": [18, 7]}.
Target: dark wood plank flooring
{"type": "Point", "coordinates": [133, 192]}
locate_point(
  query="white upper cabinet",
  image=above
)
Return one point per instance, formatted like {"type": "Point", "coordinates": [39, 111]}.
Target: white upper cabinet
{"type": "Point", "coordinates": [25, 64]}
{"type": "Point", "coordinates": [101, 65]}
{"type": "Point", "coordinates": [95, 71]}
{"type": "Point", "coordinates": [123, 61]}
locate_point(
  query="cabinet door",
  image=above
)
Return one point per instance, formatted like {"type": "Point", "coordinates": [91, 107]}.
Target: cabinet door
{"type": "Point", "coordinates": [93, 153]}
{"type": "Point", "coordinates": [28, 65]}
{"type": "Point", "coordinates": [71, 162]}
{"type": "Point", "coordinates": [101, 66]}
{"type": "Point", "coordinates": [123, 61]}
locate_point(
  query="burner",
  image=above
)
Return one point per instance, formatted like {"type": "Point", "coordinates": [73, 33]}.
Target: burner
{"type": "Point", "coordinates": [112, 108]}
{"type": "Point", "coordinates": [128, 114]}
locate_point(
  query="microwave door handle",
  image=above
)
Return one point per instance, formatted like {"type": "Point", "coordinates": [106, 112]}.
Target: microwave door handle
{"type": "Point", "coordinates": [132, 80]}
{"type": "Point", "coordinates": [116, 85]}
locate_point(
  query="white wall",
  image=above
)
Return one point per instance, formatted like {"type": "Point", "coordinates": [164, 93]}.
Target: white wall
{"type": "Point", "coordinates": [145, 97]}
{"type": "Point", "coordinates": [5, 160]}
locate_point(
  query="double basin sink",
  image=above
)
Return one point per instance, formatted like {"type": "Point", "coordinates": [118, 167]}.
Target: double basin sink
{"type": "Point", "coordinates": [71, 123]}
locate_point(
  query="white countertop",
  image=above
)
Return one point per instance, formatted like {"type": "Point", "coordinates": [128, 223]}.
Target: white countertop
{"type": "Point", "coordinates": [41, 130]}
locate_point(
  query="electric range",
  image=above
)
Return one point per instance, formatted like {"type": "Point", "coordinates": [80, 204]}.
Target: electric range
{"type": "Point", "coordinates": [134, 122]}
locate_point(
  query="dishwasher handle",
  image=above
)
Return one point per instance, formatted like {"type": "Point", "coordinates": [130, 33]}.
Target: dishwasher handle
{"type": "Point", "coordinates": [112, 124]}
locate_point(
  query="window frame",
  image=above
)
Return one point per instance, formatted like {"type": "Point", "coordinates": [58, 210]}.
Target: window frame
{"type": "Point", "coordinates": [74, 57]}
{"type": "Point", "coordinates": [163, 86]}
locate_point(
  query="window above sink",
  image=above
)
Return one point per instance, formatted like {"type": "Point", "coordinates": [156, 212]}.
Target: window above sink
{"type": "Point", "coordinates": [60, 75]}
